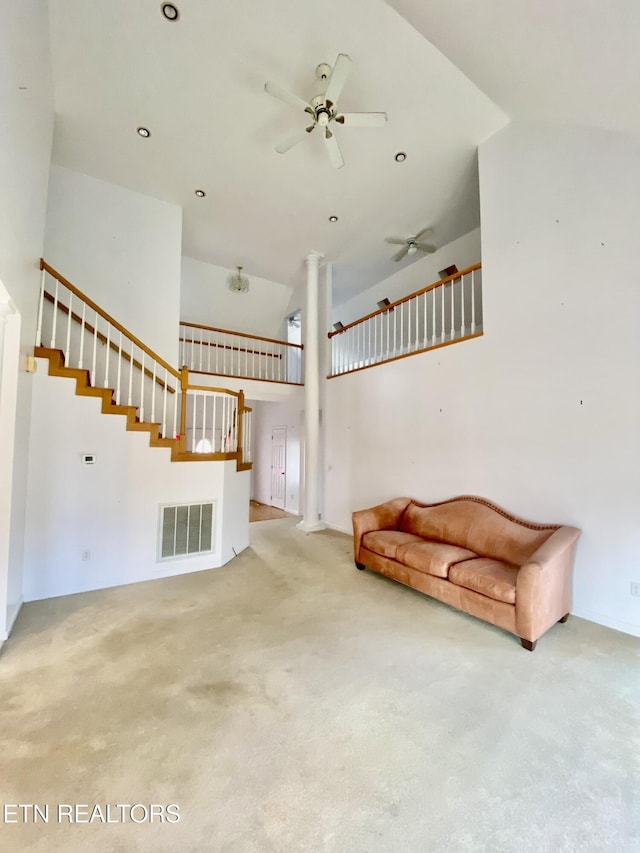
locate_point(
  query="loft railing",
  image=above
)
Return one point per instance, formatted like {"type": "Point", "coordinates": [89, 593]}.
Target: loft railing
{"type": "Point", "coordinates": [445, 312]}
{"type": "Point", "coordinates": [205, 349]}
{"type": "Point", "coordinates": [200, 423]}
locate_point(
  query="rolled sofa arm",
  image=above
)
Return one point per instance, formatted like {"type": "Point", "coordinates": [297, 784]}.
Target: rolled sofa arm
{"type": "Point", "coordinates": [543, 588]}
{"type": "Point", "coordinates": [385, 516]}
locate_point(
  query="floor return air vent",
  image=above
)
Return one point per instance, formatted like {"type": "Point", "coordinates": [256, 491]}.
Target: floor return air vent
{"type": "Point", "coordinates": [186, 530]}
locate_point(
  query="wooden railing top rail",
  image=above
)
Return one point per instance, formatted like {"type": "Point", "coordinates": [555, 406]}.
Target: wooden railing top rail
{"type": "Point", "coordinates": [240, 334]}
{"type": "Point", "coordinates": [45, 266]}
{"type": "Point", "coordinates": [392, 305]}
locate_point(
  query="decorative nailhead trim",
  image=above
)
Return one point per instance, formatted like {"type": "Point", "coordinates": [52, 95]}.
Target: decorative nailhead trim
{"type": "Point", "coordinates": [495, 508]}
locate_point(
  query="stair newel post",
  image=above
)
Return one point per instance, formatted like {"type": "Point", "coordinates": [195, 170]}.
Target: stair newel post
{"type": "Point", "coordinates": [40, 306]}
{"type": "Point", "coordinates": [240, 419]}
{"type": "Point", "coordinates": [184, 384]}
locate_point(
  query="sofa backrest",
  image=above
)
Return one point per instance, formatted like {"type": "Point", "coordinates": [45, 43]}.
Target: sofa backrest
{"type": "Point", "coordinates": [474, 523]}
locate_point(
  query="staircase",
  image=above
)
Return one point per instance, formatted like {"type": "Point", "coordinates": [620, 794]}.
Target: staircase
{"type": "Point", "coordinates": [198, 424]}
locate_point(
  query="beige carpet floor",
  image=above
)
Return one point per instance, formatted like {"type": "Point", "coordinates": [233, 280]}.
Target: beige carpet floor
{"type": "Point", "coordinates": [288, 702]}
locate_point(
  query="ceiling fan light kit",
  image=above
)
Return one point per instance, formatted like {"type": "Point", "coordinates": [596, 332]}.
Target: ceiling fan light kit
{"type": "Point", "coordinates": [323, 111]}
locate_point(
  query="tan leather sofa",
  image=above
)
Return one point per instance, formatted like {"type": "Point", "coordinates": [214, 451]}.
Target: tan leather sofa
{"type": "Point", "coordinates": [474, 556]}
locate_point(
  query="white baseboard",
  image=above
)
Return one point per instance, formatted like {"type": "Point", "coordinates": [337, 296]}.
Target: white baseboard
{"type": "Point", "coordinates": [339, 529]}
{"type": "Point", "coordinates": [608, 622]}
{"type": "Point", "coordinates": [12, 615]}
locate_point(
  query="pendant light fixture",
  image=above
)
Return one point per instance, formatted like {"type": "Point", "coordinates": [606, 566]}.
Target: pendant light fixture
{"type": "Point", "coordinates": [238, 283]}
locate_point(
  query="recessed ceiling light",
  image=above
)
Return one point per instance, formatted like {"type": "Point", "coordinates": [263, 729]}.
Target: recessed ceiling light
{"type": "Point", "coordinates": [333, 219]}
{"type": "Point", "coordinates": [170, 11]}
{"type": "Point", "coordinates": [144, 132]}
{"type": "Point", "coordinates": [200, 193]}
{"type": "Point", "coordinates": [400, 157]}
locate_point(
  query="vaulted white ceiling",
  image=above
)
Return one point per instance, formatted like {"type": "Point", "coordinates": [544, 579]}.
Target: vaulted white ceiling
{"type": "Point", "coordinates": [198, 86]}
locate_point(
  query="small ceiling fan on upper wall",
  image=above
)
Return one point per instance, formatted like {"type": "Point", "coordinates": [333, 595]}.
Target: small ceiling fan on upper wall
{"type": "Point", "coordinates": [323, 110]}
{"type": "Point", "coordinates": [411, 245]}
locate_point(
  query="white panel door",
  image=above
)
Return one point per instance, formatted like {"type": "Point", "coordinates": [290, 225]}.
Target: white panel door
{"type": "Point", "coordinates": [278, 466]}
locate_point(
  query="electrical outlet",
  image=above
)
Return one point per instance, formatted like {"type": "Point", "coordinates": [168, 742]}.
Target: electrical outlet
{"type": "Point", "coordinates": [86, 555]}
{"type": "Point", "coordinates": [635, 588]}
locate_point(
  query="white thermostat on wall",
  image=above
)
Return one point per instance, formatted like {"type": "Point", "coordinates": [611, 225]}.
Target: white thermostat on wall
{"type": "Point", "coordinates": [89, 458]}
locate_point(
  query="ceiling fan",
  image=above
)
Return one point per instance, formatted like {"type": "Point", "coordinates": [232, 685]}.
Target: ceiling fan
{"type": "Point", "coordinates": [323, 110]}
{"type": "Point", "coordinates": [411, 245]}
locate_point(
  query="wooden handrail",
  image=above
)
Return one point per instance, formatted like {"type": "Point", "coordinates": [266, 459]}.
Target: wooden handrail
{"type": "Point", "coordinates": [233, 349]}
{"type": "Point", "coordinates": [239, 334]}
{"type": "Point", "coordinates": [249, 378]}
{"type": "Point", "coordinates": [45, 266]}
{"type": "Point", "coordinates": [215, 390]}
{"type": "Point", "coordinates": [103, 339]}
{"type": "Point", "coordinates": [392, 305]}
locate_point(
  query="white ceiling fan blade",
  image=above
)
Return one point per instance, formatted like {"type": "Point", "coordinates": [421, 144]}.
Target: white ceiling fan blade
{"type": "Point", "coordinates": [425, 247]}
{"type": "Point", "coordinates": [288, 97]}
{"type": "Point", "coordinates": [333, 150]}
{"type": "Point", "coordinates": [396, 241]}
{"type": "Point", "coordinates": [422, 234]}
{"type": "Point", "coordinates": [293, 139]}
{"type": "Point", "coordinates": [362, 119]}
{"type": "Point", "coordinates": [401, 254]}
{"type": "Point", "coordinates": [338, 77]}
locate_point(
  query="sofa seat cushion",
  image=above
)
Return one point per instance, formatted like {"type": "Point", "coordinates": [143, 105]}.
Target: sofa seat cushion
{"type": "Point", "coordinates": [386, 542]}
{"type": "Point", "coordinates": [433, 558]}
{"type": "Point", "coordinates": [493, 578]}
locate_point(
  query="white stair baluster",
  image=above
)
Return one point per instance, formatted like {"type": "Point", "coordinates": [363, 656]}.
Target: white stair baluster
{"type": "Point", "coordinates": [433, 316]}
{"type": "Point", "coordinates": [119, 370]}
{"type": "Point", "coordinates": [165, 391]}
{"type": "Point", "coordinates": [141, 405]}
{"type": "Point", "coordinates": [55, 317]}
{"type": "Point", "coordinates": [462, 311]}
{"type": "Point", "coordinates": [94, 378]}
{"type": "Point", "coordinates": [204, 416]}
{"type": "Point", "coordinates": [426, 299]}
{"type": "Point", "coordinates": [473, 303]}
{"type": "Point", "coordinates": [213, 424]}
{"type": "Point", "coordinates": [453, 320]}
{"type": "Point", "coordinates": [129, 393]}
{"type": "Point", "coordinates": [68, 343]}
{"type": "Point", "coordinates": [194, 420]}
{"type": "Point", "coordinates": [40, 310]}
{"type": "Point", "coordinates": [82, 325]}
{"type": "Point", "coordinates": [108, 353]}
{"type": "Point", "coordinates": [153, 394]}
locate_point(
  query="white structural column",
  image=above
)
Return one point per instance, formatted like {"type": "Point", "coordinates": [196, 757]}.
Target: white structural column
{"type": "Point", "coordinates": [311, 518]}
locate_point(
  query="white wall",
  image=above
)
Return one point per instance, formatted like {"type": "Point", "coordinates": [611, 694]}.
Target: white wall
{"type": "Point", "coordinates": [265, 417]}
{"type": "Point", "coordinates": [122, 249]}
{"type": "Point", "coordinates": [206, 299]}
{"type": "Point", "coordinates": [542, 414]}
{"type": "Point", "coordinates": [26, 129]}
{"type": "Point", "coordinates": [463, 252]}
{"type": "Point", "coordinates": [111, 508]}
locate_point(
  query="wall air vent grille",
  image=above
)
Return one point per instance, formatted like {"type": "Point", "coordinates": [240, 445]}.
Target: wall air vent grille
{"type": "Point", "coordinates": [185, 530]}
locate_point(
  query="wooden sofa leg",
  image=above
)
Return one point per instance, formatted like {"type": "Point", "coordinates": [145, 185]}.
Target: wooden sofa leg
{"type": "Point", "coordinates": [360, 566]}
{"type": "Point", "coordinates": [529, 645]}
{"type": "Point", "coordinates": [564, 618]}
